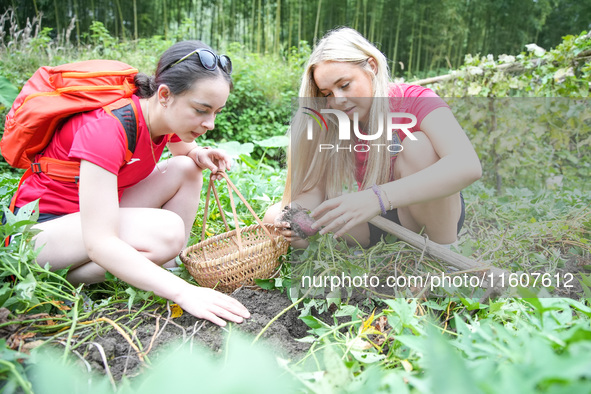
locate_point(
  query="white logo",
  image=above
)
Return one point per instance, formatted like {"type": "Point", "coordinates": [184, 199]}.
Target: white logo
{"type": "Point", "coordinates": [345, 125]}
{"type": "Point", "coordinates": [133, 160]}
{"type": "Point", "coordinates": [345, 130]}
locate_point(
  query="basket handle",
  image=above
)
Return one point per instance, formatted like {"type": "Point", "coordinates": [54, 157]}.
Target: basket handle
{"type": "Point", "coordinates": [215, 192]}
{"type": "Point", "coordinates": [231, 187]}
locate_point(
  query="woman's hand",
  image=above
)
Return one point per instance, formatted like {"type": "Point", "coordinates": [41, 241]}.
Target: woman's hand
{"type": "Point", "coordinates": [341, 214]}
{"type": "Point", "coordinates": [215, 160]}
{"type": "Point", "coordinates": [285, 230]}
{"type": "Point", "coordinates": [209, 304]}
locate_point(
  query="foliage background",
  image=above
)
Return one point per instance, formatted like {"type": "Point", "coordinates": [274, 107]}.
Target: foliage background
{"type": "Point", "coordinates": [418, 36]}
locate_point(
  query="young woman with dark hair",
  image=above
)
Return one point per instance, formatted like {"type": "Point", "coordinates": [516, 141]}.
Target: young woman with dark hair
{"type": "Point", "coordinates": [133, 218]}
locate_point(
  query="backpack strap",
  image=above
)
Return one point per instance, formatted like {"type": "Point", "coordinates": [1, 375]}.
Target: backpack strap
{"type": "Point", "coordinates": [125, 111]}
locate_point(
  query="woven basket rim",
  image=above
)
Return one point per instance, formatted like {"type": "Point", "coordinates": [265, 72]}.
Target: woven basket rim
{"type": "Point", "coordinates": [229, 234]}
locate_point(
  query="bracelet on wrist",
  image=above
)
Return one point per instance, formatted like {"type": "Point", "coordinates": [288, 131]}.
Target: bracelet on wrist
{"type": "Point", "coordinates": [387, 199]}
{"type": "Point", "coordinates": [376, 191]}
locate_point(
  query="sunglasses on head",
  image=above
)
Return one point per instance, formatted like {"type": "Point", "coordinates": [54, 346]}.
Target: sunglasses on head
{"type": "Point", "coordinates": [209, 60]}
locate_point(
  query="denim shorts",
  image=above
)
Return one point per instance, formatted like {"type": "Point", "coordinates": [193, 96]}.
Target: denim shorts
{"type": "Point", "coordinates": [375, 233]}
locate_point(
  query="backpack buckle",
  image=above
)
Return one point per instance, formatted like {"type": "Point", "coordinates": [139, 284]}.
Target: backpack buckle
{"type": "Point", "coordinates": [36, 168]}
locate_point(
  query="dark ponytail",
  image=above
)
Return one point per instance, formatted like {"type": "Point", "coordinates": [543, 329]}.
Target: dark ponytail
{"type": "Point", "coordinates": [182, 76]}
{"type": "Point", "coordinates": [146, 86]}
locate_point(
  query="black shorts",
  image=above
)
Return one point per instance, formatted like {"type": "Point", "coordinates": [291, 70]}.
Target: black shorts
{"type": "Point", "coordinates": [43, 217]}
{"type": "Point", "coordinates": [375, 233]}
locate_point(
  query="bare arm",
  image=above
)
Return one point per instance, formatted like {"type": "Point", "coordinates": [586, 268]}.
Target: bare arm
{"type": "Point", "coordinates": [457, 168]}
{"type": "Point", "coordinates": [99, 211]}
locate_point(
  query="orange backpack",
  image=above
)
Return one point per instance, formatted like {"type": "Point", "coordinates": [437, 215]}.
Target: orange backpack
{"type": "Point", "coordinates": [52, 95]}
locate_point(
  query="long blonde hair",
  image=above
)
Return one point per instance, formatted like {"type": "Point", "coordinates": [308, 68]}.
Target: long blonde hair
{"type": "Point", "coordinates": [334, 171]}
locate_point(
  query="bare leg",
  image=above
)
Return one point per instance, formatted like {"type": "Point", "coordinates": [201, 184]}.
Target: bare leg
{"type": "Point", "coordinates": [177, 190]}
{"type": "Point", "coordinates": [438, 217]}
{"type": "Point", "coordinates": [159, 234]}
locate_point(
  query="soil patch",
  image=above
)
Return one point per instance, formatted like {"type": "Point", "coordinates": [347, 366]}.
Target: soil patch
{"type": "Point", "coordinates": [156, 328]}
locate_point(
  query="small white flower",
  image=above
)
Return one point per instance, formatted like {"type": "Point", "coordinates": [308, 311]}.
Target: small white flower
{"type": "Point", "coordinates": [561, 74]}
{"type": "Point", "coordinates": [474, 70]}
{"type": "Point", "coordinates": [506, 58]}
{"type": "Point", "coordinates": [538, 51]}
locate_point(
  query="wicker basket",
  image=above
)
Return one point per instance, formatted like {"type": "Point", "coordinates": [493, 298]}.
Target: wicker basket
{"type": "Point", "coordinates": [234, 258]}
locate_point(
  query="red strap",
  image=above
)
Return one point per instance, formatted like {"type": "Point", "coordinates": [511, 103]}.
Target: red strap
{"type": "Point", "coordinates": [59, 170]}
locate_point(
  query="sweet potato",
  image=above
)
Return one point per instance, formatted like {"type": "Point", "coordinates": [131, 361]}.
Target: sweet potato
{"type": "Point", "coordinates": [299, 221]}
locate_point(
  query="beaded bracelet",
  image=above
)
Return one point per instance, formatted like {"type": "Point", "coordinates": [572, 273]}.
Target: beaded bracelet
{"type": "Point", "coordinates": [376, 191]}
{"type": "Point", "coordinates": [386, 195]}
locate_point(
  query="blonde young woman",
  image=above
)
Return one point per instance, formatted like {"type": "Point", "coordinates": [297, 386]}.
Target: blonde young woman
{"type": "Point", "coordinates": [416, 182]}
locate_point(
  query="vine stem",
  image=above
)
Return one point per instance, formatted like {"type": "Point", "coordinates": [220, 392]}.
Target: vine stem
{"type": "Point", "coordinates": [72, 327]}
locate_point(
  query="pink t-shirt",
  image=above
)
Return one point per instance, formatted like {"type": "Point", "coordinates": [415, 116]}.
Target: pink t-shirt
{"type": "Point", "coordinates": [412, 99]}
{"type": "Point", "coordinates": [99, 138]}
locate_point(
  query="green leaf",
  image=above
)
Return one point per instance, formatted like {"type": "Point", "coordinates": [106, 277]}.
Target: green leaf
{"type": "Point", "coordinates": [250, 162]}
{"type": "Point", "coordinates": [312, 322]}
{"type": "Point", "coordinates": [447, 371]}
{"type": "Point", "coordinates": [266, 284]}
{"type": "Point", "coordinates": [26, 288]}
{"type": "Point", "coordinates": [235, 148]}
{"type": "Point", "coordinates": [278, 141]}
{"type": "Point", "coordinates": [8, 92]}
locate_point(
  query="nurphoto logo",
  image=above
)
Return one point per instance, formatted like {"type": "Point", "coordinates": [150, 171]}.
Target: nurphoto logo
{"type": "Point", "coordinates": [393, 122]}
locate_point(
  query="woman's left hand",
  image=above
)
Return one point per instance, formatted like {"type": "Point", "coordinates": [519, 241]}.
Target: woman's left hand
{"type": "Point", "coordinates": [215, 160]}
{"type": "Point", "coordinates": [341, 214]}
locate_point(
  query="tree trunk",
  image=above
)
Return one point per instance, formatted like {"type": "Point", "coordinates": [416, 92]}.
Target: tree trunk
{"type": "Point", "coordinates": [135, 32]}
{"type": "Point", "coordinates": [57, 18]}
{"type": "Point", "coordinates": [277, 27]}
{"type": "Point", "coordinates": [396, 39]}
{"type": "Point", "coordinates": [317, 20]}
{"type": "Point", "coordinates": [259, 27]}
{"type": "Point", "coordinates": [412, 44]}
{"type": "Point", "coordinates": [165, 18]}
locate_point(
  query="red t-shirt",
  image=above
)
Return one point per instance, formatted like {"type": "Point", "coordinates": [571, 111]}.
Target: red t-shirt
{"type": "Point", "coordinates": [412, 99]}
{"type": "Point", "coordinates": [99, 138]}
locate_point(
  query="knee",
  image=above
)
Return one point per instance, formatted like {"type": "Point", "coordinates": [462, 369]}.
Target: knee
{"type": "Point", "coordinates": [170, 240]}
{"type": "Point", "coordinates": [273, 211]}
{"type": "Point", "coordinates": [415, 155]}
{"type": "Point", "coordinates": [186, 166]}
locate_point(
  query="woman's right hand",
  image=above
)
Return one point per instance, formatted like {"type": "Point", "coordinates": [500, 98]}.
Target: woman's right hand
{"type": "Point", "coordinates": [209, 304]}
